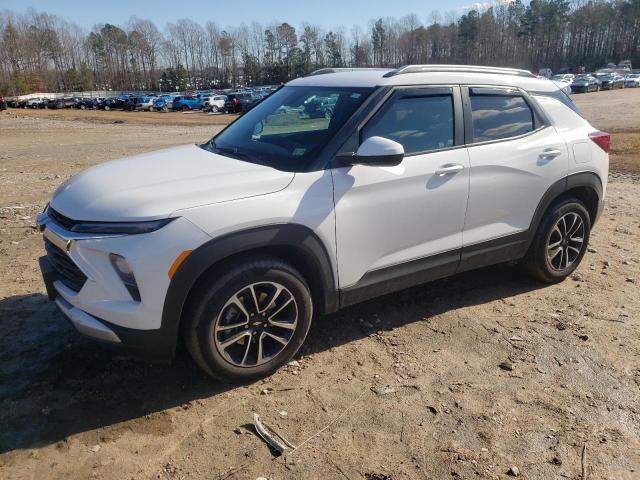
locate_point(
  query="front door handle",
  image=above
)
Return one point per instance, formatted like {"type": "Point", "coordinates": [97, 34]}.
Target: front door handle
{"type": "Point", "coordinates": [549, 154]}
{"type": "Point", "coordinates": [449, 169]}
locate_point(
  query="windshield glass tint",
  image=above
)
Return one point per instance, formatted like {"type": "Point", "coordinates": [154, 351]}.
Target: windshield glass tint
{"type": "Point", "coordinates": [288, 129]}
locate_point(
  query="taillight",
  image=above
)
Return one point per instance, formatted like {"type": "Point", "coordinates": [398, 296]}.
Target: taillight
{"type": "Point", "coordinates": [602, 139]}
{"type": "Point", "coordinates": [235, 101]}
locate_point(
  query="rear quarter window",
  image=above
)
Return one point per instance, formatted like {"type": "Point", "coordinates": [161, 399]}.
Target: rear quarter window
{"type": "Point", "coordinates": [559, 95]}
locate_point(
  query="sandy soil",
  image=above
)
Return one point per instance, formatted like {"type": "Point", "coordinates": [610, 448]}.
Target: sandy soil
{"type": "Point", "coordinates": [570, 353]}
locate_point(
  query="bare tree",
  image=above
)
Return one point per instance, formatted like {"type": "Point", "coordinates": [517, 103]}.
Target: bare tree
{"type": "Point", "coordinates": [39, 51]}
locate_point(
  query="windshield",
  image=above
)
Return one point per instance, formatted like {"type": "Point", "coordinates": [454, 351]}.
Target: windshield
{"type": "Point", "coordinates": [288, 129]}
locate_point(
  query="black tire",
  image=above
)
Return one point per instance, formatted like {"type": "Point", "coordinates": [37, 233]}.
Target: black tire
{"type": "Point", "coordinates": [212, 298]}
{"type": "Point", "coordinates": [537, 262]}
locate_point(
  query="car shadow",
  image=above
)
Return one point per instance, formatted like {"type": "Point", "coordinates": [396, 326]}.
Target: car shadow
{"type": "Point", "coordinates": [54, 383]}
{"type": "Point", "coordinates": [418, 304]}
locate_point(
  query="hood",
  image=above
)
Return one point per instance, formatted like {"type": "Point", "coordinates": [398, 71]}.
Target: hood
{"type": "Point", "coordinates": [156, 184]}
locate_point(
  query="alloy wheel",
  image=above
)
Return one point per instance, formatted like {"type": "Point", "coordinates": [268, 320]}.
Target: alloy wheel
{"type": "Point", "coordinates": [256, 324]}
{"type": "Point", "coordinates": [566, 241]}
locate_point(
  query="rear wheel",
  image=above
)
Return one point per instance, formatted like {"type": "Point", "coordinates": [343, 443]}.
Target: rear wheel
{"type": "Point", "coordinates": [107, 108]}
{"type": "Point", "coordinates": [560, 242]}
{"type": "Point", "coordinates": [246, 323]}
{"type": "Point", "coordinates": [185, 108]}
{"type": "Point", "coordinates": [214, 109]}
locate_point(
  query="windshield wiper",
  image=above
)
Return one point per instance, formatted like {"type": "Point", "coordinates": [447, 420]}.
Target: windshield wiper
{"type": "Point", "coordinates": [229, 152]}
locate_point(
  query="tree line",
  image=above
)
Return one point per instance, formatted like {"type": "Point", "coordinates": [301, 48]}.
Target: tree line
{"type": "Point", "coordinates": [44, 52]}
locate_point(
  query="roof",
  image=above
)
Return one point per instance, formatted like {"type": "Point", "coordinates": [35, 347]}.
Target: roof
{"type": "Point", "coordinates": [425, 75]}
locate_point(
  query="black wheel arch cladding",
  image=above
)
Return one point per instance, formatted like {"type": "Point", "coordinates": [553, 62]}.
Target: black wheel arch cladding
{"type": "Point", "coordinates": [292, 243]}
{"type": "Point", "coordinates": [576, 184]}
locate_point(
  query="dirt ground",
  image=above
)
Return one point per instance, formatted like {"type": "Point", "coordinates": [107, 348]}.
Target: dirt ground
{"type": "Point", "coordinates": [138, 118]}
{"type": "Point", "coordinates": [564, 404]}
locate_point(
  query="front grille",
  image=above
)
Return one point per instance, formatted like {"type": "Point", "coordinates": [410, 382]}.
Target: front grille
{"type": "Point", "coordinates": [68, 272]}
{"type": "Point", "coordinates": [61, 220]}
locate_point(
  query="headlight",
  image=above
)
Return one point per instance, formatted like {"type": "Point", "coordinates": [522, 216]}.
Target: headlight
{"type": "Point", "coordinates": [120, 228]}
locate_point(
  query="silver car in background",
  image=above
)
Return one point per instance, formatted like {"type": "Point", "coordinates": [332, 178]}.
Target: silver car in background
{"type": "Point", "coordinates": [632, 80]}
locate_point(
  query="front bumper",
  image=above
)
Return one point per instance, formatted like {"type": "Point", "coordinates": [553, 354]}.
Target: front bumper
{"type": "Point", "coordinates": [102, 309]}
{"type": "Point", "coordinates": [156, 345]}
{"type": "Point", "coordinates": [86, 324]}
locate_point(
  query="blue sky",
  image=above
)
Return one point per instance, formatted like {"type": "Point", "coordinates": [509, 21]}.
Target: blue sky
{"type": "Point", "coordinates": [327, 13]}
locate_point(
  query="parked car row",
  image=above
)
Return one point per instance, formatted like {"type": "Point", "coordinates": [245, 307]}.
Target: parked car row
{"type": "Point", "coordinates": [605, 79]}
{"type": "Point", "coordinates": [224, 101]}
{"type": "Point", "coordinates": [67, 102]}
{"type": "Point", "coordinates": [594, 82]}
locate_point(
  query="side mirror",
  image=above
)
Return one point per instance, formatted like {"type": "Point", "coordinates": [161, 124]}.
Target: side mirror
{"type": "Point", "coordinates": [378, 152]}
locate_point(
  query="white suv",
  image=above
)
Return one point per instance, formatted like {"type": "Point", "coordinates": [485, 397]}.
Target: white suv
{"type": "Point", "coordinates": [234, 245]}
{"type": "Point", "coordinates": [213, 103]}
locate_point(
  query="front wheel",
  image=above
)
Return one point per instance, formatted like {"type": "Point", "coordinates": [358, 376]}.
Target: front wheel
{"type": "Point", "coordinates": [245, 324]}
{"type": "Point", "coordinates": [560, 242]}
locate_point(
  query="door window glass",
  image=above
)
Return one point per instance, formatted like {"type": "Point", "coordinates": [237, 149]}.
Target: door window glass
{"type": "Point", "coordinates": [500, 116]}
{"type": "Point", "coordinates": [420, 124]}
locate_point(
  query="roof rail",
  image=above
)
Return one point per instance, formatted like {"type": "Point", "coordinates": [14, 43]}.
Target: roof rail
{"type": "Point", "coordinates": [323, 71]}
{"type": "Point", "coordinates": [458, 69]}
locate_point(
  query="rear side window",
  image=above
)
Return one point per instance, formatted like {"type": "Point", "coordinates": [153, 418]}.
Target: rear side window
{"type": "Point", "coordinates": [420, 123]}
{"type": "Point", "coordinates": [496, 117]}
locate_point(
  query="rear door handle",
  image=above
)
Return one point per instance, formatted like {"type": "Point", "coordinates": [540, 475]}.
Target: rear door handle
{"type": "Point", "coordinates": [449, 169]}
{"type": "Point", "coordinates": [549, 154]}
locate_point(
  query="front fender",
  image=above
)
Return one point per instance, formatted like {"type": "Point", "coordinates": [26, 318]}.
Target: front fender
{"type": "Point", "coordinates": [299, 240]}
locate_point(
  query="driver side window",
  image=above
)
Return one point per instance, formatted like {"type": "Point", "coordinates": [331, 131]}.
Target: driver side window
{"type": "Point", "coordinates": [420, 123]}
